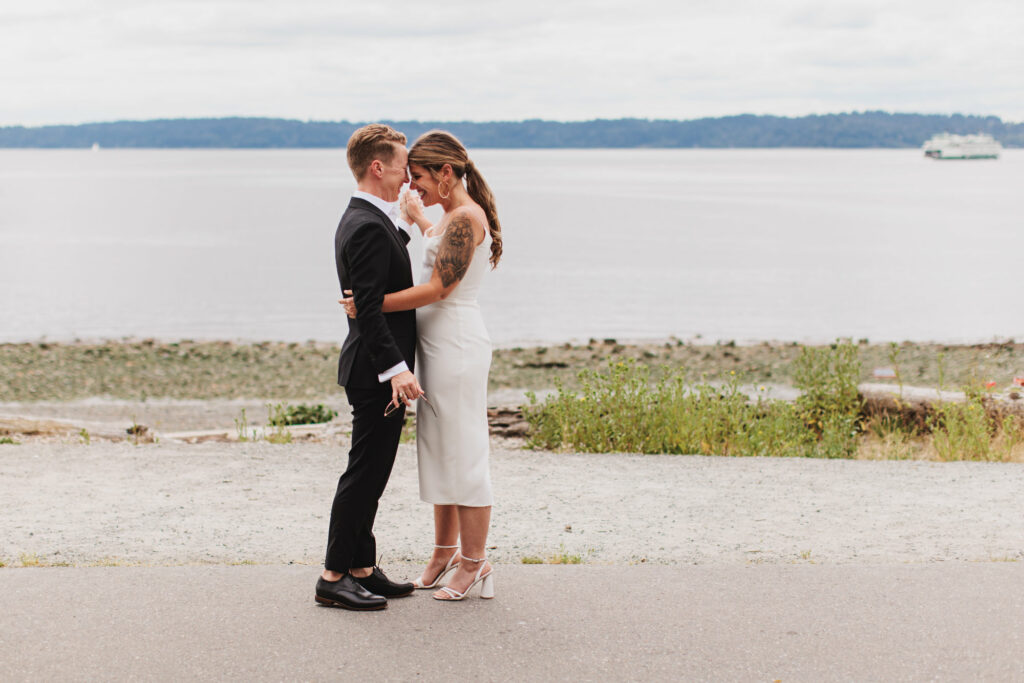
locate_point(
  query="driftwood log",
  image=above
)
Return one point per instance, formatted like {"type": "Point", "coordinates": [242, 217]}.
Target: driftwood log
{"type": "Point", "coordinates": [14, 426]}
{"type": "Point", "coordinates": [507, 422]}
{"type": "Point", "coordinates": [915, 405]}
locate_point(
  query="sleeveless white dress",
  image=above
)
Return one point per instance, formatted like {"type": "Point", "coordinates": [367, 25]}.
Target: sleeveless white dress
{"type": "Point", "coordinates": [453, 358]}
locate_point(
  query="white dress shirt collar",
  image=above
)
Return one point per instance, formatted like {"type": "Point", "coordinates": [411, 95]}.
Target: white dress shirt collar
{"type": "Point", "coordinates": [390, 209]}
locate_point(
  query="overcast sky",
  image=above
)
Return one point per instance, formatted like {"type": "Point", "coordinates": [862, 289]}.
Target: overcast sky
{"type": "Point", "coordinates": [74, 61]}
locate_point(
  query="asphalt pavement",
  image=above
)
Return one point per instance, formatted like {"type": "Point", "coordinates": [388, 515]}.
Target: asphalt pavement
{"type": "Point", "coordinates": [950, 621]}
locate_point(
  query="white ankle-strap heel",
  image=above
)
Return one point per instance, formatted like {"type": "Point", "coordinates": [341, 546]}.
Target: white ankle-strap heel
{"type": "Point", "coordinates": [452, 564]}
{"type": "Point", "coordinates": [486, 581]}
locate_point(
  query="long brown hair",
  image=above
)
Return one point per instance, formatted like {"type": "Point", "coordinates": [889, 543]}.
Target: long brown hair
{"type": "Point", "coordinates": [435, 149]}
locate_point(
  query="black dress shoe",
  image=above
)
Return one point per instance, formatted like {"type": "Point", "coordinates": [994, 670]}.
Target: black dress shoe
{"type": "Point", "coordinates": [377, 583]}
{"type": "Point", "coordinates": [348, 593]}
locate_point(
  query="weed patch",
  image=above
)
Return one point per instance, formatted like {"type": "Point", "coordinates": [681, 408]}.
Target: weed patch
{"type": "Point", "coordinates": [282, 415]}
{"type": "Point", "coordinates": [242, 428]}
{"type": "Point", "coordinates": [561, 557]}
{"type": "Point", "coordinates": [621, 410]}
{"type": "Point", "coordinates": [967, 431]}
{"type": "Point", "coordinates": [280, 435]}
{"type": "Point", "coordinates": [830, 404]}
{"type": "Point", "coordinates": [625, 409]}
{"type": "Point", "coordinates": [408, 431]}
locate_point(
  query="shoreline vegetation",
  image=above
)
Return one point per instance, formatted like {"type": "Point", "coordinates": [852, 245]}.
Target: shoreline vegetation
{"type": "Point", "coordinates": [670, 396]}
{"type": "Point", "coordinates": [620, 409]}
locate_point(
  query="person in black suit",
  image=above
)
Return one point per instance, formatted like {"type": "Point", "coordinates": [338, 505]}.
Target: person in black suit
{"type": "Point", "coordinates": [375, 367]}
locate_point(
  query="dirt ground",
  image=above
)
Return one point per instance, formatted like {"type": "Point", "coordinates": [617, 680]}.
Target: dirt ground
{"type": "Point", "coordinates": [257, 502]}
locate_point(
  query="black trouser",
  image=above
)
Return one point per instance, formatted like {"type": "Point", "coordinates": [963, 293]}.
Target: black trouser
{"type": "Point", "coordinates": [350, 541]}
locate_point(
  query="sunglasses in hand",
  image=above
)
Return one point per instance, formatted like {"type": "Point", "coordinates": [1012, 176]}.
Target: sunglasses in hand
{"type": "Point", "coordinates": [392, 406]}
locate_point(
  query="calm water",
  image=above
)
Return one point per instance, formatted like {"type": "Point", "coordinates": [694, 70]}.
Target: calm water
{"type": "Point", "coordinates": [727, 244]}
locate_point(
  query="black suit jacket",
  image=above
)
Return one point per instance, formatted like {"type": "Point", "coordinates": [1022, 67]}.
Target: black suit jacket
{"type": "Point", "coordinates": [372, 260]}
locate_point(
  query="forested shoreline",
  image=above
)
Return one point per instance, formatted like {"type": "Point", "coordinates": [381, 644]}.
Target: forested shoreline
{"type": "Point", "coordinates": [849, 130]}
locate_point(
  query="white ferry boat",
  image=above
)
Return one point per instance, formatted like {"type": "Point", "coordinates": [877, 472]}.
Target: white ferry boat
{"type": "Point", "coordinates": [950, 146]}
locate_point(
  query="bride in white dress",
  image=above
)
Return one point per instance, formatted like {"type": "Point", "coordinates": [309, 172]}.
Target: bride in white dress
{"type": "Point", "coordinates": [453, 358]}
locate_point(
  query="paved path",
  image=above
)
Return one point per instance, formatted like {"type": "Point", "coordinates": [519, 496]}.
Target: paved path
{"type": "Point", "coordinates": [916, 622]}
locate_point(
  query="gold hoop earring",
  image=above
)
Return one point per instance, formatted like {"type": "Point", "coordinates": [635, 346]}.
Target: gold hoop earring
{"type": "Point", "coordinates": [443, 196]}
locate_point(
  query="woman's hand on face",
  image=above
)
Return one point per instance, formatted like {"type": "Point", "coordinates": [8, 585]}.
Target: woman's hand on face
{"type": "Point", "coordinates": [403, 207]}
{"type": "Point", "coordinates": [349, 303]}
{"type": "Point", "coordinates": [412, 206]}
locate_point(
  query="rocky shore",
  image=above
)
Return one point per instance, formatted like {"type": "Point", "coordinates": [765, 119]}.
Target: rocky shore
{"type": "Point", "coordinates": [186, 370]}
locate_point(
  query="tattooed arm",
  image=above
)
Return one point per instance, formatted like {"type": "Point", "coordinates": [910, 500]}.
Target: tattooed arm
{"type": "Point", "coordinates": [455, 253]}
{"type": "Point", "coordinates": [453, 258]}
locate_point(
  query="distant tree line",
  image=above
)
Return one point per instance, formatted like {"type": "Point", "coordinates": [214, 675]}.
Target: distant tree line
{"type": "Point", "coordinates": [861, 129]}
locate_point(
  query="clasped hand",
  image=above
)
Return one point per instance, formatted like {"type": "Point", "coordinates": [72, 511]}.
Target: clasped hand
{"type": "Point", "coordinates": [348, 302]}
{"type": "Point", "coordinates": [404, 386]}
{"type": "Point", "coordinates": [411, 207]}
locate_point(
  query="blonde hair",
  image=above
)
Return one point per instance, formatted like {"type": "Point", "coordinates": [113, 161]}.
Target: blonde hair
{"type": "Point", "coordinates": [374, 141]}
{"type": "Point", "coordinates": [435, 149]}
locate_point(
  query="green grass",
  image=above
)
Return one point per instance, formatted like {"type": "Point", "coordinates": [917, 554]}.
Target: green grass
{"type": "Point", "coordinates": [281, 415]}
{"type": "Point", "coordinates": [560, 557]}
{"type": "Point", "coordinates": [242, 428]}
{"type": "Point", "coordinates": [408, 430]}
{"type": "Point", "coordinates": [967, 431]}
{"type": "Point", "coordinates": [29, 560]}
{"type": "Point", "coordinates": [625, 409]}
{"type": "Point", "coordinates": [8, 441]}
{"type": "Point", "coordinates": [246, 432]}
{"type": "Point", "coordinates": [622, 410]}
{"type": "Point", "coordinates": [280, 435]}
{"type": "Point", "coordinates": [565, 558]}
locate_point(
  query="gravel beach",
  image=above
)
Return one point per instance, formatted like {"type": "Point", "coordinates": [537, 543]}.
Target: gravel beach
{"type": "Point", "coordinates": [221, 503]}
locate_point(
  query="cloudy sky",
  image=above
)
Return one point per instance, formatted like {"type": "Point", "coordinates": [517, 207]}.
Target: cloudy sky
{"type": "Point", "coordinates": [73, 61]}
